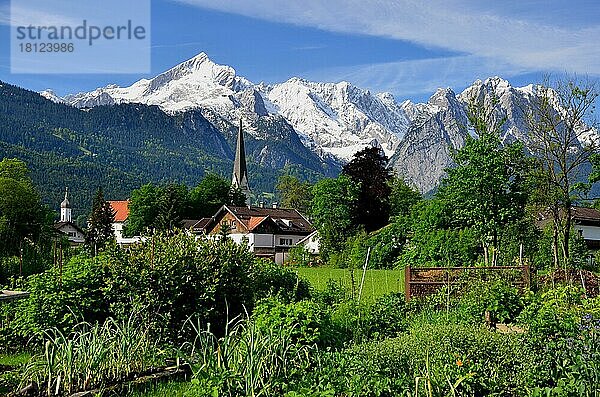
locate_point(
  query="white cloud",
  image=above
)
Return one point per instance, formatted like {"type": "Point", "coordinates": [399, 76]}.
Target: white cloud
{"type": "Point", "coordinates": [450, 24]}
{"type": "Point", "coordinates": [21, 16]}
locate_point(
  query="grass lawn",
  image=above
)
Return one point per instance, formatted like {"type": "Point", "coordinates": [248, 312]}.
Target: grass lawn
{"type": "Point", "coordinates": [167, 389]}
{"type": "Point", "coordinates": [14, 360]}
{"type": "Point", "coordinates": [377, 282]}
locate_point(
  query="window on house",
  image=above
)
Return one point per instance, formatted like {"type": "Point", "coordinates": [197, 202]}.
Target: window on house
{"type": "Point", "coordinates": [285, 241]}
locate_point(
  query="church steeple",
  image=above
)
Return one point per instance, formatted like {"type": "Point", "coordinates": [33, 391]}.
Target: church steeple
{"type": "Point", "coordinates": [65, 208]}
{"type": "Point", "coordinates": [240, 171]}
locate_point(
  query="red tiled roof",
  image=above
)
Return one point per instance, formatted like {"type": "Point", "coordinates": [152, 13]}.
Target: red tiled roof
{"type": "Point", "coordinates": [255, 221]}
{"type": "Point", "coordinates": [121, 209]}
{"type": "Point", "coordinates": [287, 220]}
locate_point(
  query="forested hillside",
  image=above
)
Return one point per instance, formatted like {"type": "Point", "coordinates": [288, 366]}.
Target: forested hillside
{"type": "Point", "coordinates": [123, 146]}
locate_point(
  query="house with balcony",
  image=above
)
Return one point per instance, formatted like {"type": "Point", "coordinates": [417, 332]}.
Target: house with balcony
{"type": "Point", "coordinates": [269, 232]}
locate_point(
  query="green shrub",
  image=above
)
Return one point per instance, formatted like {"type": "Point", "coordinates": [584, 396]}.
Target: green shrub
{"type": "Point", "coordinates": [167, 279]}
{"type": "Point", "coordinates": [387, 316]}
{"type": "Point", "coordinates": [270, 279]}
{"type": "Point", "coordinates": [333, 294]}
{"type": "Point", "coordinates": [499, 298]}
{"type": "Point", "coordinates": [59, 298]}
{"type": "Point", "coordinates": [308, 321]}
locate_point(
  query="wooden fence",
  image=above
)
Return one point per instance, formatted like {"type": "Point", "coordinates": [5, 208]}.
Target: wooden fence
{"type": "Point", "coordinates": [424, 281]}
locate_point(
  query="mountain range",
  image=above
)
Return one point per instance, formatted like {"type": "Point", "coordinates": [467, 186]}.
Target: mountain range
{"type": "Point", "coordinates": [181, 124]}
{"type": "Point", "coordinates": [333, 120]}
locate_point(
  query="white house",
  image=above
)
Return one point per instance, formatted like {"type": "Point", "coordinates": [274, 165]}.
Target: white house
{"type": "Point", "coordinates": [121, 210]}
{"type": "Point", "coordinates": [311, 243]}
{"type": "Point", "coordinates": [269, 232]}
{"type": "Point", "coordinates": [586, 222]}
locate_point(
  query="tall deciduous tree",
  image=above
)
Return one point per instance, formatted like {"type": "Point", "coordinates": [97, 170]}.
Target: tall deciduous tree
{"type": "Point", "coordinates": [143, 209]}
{"type": "Point", "coordinates": [333, 210]}
{"type": "Point", "coordinates": [402, 197]}
{"type": "Point", "coordinates": [368, 169]}
{"type": "Point", "coordinates": [100, 229]}
{"type": "Point", "coordinates": [486, 187]}
{"type": "Point", "coordinates": [21, 213]}
{"type": "Point", "coordinates": [210, 194]}
{"type": "Point", "coordinates": [173, 205]}
{"type": "Point", "coordinates": [294, 194]}
{"type": "Point", "coordinates": [560, 126]}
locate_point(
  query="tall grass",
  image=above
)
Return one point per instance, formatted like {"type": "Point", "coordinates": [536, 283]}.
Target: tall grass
{"type": "Point", "coordinates": [91, 356]}
{"type": "Point", "coordinates": [247, 360]}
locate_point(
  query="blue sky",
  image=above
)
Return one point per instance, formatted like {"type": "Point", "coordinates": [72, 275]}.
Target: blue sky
{"type": "Point", "coordinates": [407, 47]}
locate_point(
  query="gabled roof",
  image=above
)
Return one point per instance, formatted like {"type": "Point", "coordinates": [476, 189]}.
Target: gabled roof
{"type": "Point", "coordinates": [287, 221]}
{"type": "Point", "coordinates": [58, 225]}
{"type": "Point", "coordinates": [580, 216]}
{"type": "Point", "coordinates": [584, 214]}
{"type": "Point", "coordinates": [196, 225]}
{"type": "Point", "coordinates": [255, 221]}
{"type": "Point", "coordinates": [121, 209]}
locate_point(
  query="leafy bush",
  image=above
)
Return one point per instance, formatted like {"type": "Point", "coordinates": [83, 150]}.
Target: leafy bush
{"type": "Point", "coordinates": [60, 299]}
{"type": "Point", "coordinates": [308, 321]}
{"type": "Point", "coordinates": [387, 317]}
{"type": "Point", "coordinates": [170, 278]}
{"type": "Point", "coordinates": [553, 313]}
{"type": "Point", "coordinates": [270, 279]}
{"type": "Point", "coordinates": [499, 298]}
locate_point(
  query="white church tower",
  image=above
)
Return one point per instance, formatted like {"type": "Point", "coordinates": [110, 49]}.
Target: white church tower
{"type": "Point", "coordinates": [65, 208]}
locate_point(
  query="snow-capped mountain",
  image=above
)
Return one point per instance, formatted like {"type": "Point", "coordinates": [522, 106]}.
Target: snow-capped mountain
{"type": "Point", "coordinates": [337, 119]}
{"type": "Point", "coordinates": [340, 119]}
{"type": "Point", "coordinates": [332, 120]}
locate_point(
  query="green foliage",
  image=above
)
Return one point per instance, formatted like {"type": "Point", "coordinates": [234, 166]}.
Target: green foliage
{"type": "Point", "coordinates": [485, 190]}
{"type": "Point", "coordinates": [143, 209]}
{"type": "Point", "coordinates": [386, 246]}
{"type": "Point", "coordinates": [100, 229]}
{"type": "Point", "coordinates": [333, 210]}
{"type": "Point", "coordinates": [402, 197]}
{"type": "Point", "coordinates": [368, 170]}
{"type": "Point", "coordinates": [387, 317]}
{"type": "Point", "coordinates": [308, 321]}
{"type": "Point", "coordinates": [59, 298]}
{"type": "Point", "coordinates": [271, 279]}
{"type": "Point", "coordinates": [247, 360]}
{"type": "Point", "coordinates": [499, 298]}
{"type": "Point", "coordinates": [212, 193]}
{"type": "Point", "coordinates": [165, 207]}
{"type": "Point", "coordinates": [21, 213]}
{"type": "Point", "coordinates": [554, 312]}
{"type": "Point", "coordinates": [294, 194]}
{"type": "Point", "coordinates": [172, 206]}
{"type": "Point", "coordinates": [91, 355]}
{"type": "Point", "coordinates": [299, 256]}
{"type": "Point", "coordinates": [166, 279]}
{"type": "Point", "coordinates": [580, 256]}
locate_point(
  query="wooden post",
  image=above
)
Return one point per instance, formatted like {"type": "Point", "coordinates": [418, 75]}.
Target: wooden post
{"type": "Point", "coordinates": [362, 281]}
{"type": "Point", "coordinates": [407, 283]}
